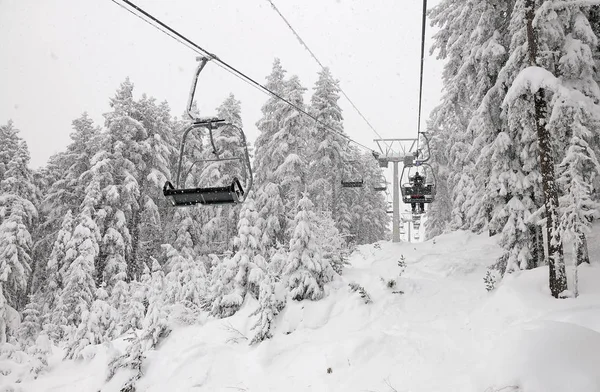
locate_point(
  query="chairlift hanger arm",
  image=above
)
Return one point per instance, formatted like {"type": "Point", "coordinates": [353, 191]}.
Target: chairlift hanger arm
{"type": "Point", "coordinates": [199, 68]}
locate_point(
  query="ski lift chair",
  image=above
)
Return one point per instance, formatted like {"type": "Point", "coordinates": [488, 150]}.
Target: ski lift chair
{"type": "Point", "coordinates": [381, 184]}
{"type": "Point", "coordinates": [352, 182]}
{"type": "Point", "coordinates": [418, 193]}
{"type": "Point", "coordinates": [232, 193]}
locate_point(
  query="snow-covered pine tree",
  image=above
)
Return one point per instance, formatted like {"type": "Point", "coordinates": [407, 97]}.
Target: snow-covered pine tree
{"type": "Point", "coordinates": [290, 148]}
{"type": "Point", "coordinates": [115, 270]}
{"type": "Point", "coordinates": [268, 125]}
{"type": "Point", "coordinates": [306, 271]}
{"type": "Point", "coordinates": [62, 190]}
{"type": "Point", "coordinates": [155, 323]}
{"type": "Point", "coordinates": [98, 325]}
{"type": "Point", "coordinates": [116, 176]}
{"type": "Point", "coordinates": [79, 285]}
{"type": "Point", "coordinates": [327, 148]}
{"type": "Point", "coordinates": [131, 319]}
{"type": "Point", "coordinates": [370, 218]}
{"type": "Point", "coordinates": [66, 189]}
{"type": "Point", "coordinates": [17, 217]}
{"type": "Point", "coordinates": [269, 306]}
{"type": "Point", "coordinates": [186, 280]}
{"type": "Point", "coordinates": [573, 121]}
{"type": "Point", "coordinates": [472, 39]}
{"type": "Point", "coordinates": [269, 194]}
{"type": "Point", "coordinates": [31, 325]}
{"type": "Point", "coordinates": [331, 242]}
{"type": "Point", "coordinates": [151, 152]}
{"type": "Point", "coordinates": [228, 142]}
{"type": "Point", "coordinates": [271, 218]}
{"type": "Point", "coordinates": [346, 204]}
{"type": "Point", "coordinates": [243, 273]}
{"type": "Point", "coordinates": [55, 267]}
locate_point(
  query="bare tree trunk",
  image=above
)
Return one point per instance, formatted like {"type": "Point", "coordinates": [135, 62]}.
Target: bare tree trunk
{"type": "Point", "coordinates": [556, 262]}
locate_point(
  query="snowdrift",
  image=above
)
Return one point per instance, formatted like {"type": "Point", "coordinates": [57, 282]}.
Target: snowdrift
{"type": "Point", "coordinates": [429, 327]}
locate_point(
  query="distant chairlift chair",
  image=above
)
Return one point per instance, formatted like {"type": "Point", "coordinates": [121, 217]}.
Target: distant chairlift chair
{"type": "Point", "coordinates": [229, 194]}
{"type": "Point", "coordinates": [352, 182]}
{"type": "Point", "coordinates": [381, 184]}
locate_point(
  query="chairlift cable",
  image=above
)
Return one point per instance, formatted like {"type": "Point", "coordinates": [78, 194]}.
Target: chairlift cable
{"type": "Point", "coordinates": [423, 23]}
{"type": "Point", "coordinates": [198, 49]}
{"type": "Point", "coordinates": [303, 43]}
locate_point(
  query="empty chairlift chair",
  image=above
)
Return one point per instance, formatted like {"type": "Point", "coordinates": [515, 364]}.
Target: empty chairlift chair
{"type": "Point", "coordinates": [352, 181]}
{"type": "Point", "coordinates": [381, 184]}
{"type": "Point", "coordinates": [235, 189]}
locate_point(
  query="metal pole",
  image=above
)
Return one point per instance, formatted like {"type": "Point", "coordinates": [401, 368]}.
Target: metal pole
{"type": "Point", "coordinates": [396, 217]}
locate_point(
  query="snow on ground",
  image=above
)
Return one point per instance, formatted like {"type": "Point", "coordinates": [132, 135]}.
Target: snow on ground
{"type": "Point", "coordinates": [445, 332]}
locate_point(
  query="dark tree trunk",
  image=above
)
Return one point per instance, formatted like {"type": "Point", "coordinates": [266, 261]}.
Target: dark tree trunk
{"type": "Point", "coordinates": [581, 250]}
{"type": "Point", "coordinates": [133, 267]}
{"type": "Point", "coordinates": [537, 253]}
{"type": "Point", "coordinates": [556, 262]}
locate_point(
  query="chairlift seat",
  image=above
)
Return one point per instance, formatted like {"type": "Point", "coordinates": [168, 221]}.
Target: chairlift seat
{"type": "Point", "coordinates": [380, 188]}
{"type": "Point", "coordinates": [352, 184]}
{"type": "Point", "coordinates": [418, 194]}
{"type": "Point", "coordinates": [231, 194]}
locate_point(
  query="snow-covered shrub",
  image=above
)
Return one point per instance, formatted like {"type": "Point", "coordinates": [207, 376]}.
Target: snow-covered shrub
{"type": "Point", "coordinates": [354, 287]}
{"type": "Point", "coordinates": [270, 304]}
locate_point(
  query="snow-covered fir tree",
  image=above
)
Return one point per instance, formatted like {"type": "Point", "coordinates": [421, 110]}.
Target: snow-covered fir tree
{"type": "Point", "coordinates": [18, 215]}
{"type": "Point", "coordinates": [98, 325]}
{"type": "Point", "coordinates": [306, 271]}
{"type": "Point", "coordinates": [241, 274]}
{"type": "Point", "coordinates": [79, 284]}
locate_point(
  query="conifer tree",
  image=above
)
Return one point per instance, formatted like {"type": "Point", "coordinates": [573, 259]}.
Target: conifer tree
{"type": "Point", "coordinates": [17, 216]}
{"type": "Point", "coordinates": [79, 286]}
{"type": "Point", "coordinates": [269, 193]}
{"type": "Point", "coordinates": [243, 273]}
{"type": "Point", "coordinates": [328, 148]}
{"type": "Point", "coordinates": [306, 271]}
{"type": "Point", "coordinates": [15, 247]}
{"type": "Point", "coordinates": [31, 325]}
{"type": "Point", "coordinates": [98, 325]}
{"type": "Point", "coordinates": [473, 39]}
{"type": "Point", "coordinates": [56, 267]}
{"type": "Point", "coordinates": [155, 322]}
{"type": "Point", "coordinates": [289, 146]}
{"type": "Point", "coordinates": [268, 125]}
{"type": "Point", "coordinates": [133, 315]}
{"type": "Point", "coordinates": [268, 308]}
{"type": "Point", "coordinates": [152, 150]}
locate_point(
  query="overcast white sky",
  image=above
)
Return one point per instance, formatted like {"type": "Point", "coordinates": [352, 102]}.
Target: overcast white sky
{"type": "Point", "coordinates": [63, 57]}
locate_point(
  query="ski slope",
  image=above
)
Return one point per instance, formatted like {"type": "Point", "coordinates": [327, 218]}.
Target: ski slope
{"type": "Point", "coordinates": [445, 332]}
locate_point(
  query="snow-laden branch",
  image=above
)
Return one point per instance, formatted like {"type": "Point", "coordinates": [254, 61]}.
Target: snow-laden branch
{"type": "Point", "coordinates": [532, 79]}
{"type": "Point", "coordinates": [559, 5]}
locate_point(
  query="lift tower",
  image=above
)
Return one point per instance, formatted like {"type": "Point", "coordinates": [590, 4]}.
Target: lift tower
{"type": "Point", "coordinates": [396, 151]}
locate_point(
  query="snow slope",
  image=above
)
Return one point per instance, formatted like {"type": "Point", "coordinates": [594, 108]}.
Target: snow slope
{"type": "Point", "coordinates": [445, 332]}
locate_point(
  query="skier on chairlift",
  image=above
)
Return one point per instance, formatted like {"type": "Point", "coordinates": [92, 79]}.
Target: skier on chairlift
{"type": "Point", "coordinates": [417, 184]}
